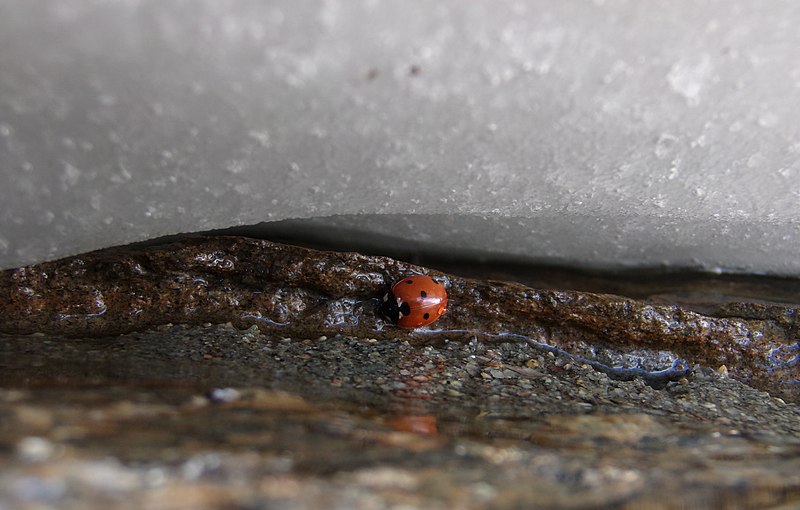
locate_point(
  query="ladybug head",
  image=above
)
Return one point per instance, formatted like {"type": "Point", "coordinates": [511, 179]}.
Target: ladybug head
{"type": "Point", "coordinates": [391, 309]}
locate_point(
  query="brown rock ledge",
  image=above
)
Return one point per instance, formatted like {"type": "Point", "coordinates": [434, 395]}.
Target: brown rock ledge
{"type": "Point", "coordinates": [305, 293]}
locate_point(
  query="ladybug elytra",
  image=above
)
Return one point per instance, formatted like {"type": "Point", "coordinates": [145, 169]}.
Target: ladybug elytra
{"type": "Point", "coordinates": [415, 301]}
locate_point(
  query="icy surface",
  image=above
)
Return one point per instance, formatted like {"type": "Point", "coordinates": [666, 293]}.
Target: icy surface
{"type": "Point", "coordinates": [603, 133]}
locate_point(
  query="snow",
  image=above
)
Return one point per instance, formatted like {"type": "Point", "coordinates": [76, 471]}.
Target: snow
{"type": "Point", "coordinates": [607, 134]}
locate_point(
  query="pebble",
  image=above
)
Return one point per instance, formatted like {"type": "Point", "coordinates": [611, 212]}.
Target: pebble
{"type": "Point", "coordinates": [472, 369]}
{"type": "Point", "coordinates": [224, 395]}
{"type": "Point", "coordinates": [35, 449]}
{"type": "Point", "coordinates": [503, 374]}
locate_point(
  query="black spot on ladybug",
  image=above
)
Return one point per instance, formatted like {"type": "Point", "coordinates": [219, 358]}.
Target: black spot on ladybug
{"type": "Point", "coordinates": [409, 282]}
{"type": "Point", "coordinates": [426, 316]}
{"type": "Point", "coordinates": [423, 294]}
{"type": "Point", "coordinates": [405, 309]}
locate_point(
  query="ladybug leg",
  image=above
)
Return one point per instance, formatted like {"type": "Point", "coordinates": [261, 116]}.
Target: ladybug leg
{"type": "Point", "coordinates": [387, 279]}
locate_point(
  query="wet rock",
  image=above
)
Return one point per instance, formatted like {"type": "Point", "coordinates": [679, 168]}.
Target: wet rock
{"type": "Point", "coordinates": [308, 294]}
{"type": "Point", "coordinates": [224, 395]}
{"type": "Point", "coordinates": [35, 449]}
{"type": "Point", "coordinates": [123, 422]}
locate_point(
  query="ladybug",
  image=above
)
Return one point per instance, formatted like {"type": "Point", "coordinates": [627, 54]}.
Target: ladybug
{"type": "Point", "coordinates": [415, 301]}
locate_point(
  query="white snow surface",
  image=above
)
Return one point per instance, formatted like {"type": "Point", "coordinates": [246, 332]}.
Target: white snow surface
{"type": "Point", "coordinates": [613, 133]}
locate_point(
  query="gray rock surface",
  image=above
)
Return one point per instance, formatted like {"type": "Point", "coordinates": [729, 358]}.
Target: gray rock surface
{"type": "Point", "coordinates": [605, 133]}
{"type": "Point", "coordinates": [214, 417]}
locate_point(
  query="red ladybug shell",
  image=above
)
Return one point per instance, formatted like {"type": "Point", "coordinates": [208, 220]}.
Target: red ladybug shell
{"type": "Point", "coordinates": [415, 301]}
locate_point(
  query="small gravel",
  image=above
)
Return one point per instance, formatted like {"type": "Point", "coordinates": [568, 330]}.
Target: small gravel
{"type": "Point", "coordinates": [230, 418]}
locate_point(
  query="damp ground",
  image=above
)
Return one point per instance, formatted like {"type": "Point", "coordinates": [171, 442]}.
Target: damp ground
{"type": "Point", "coordinates": [219, 417]}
